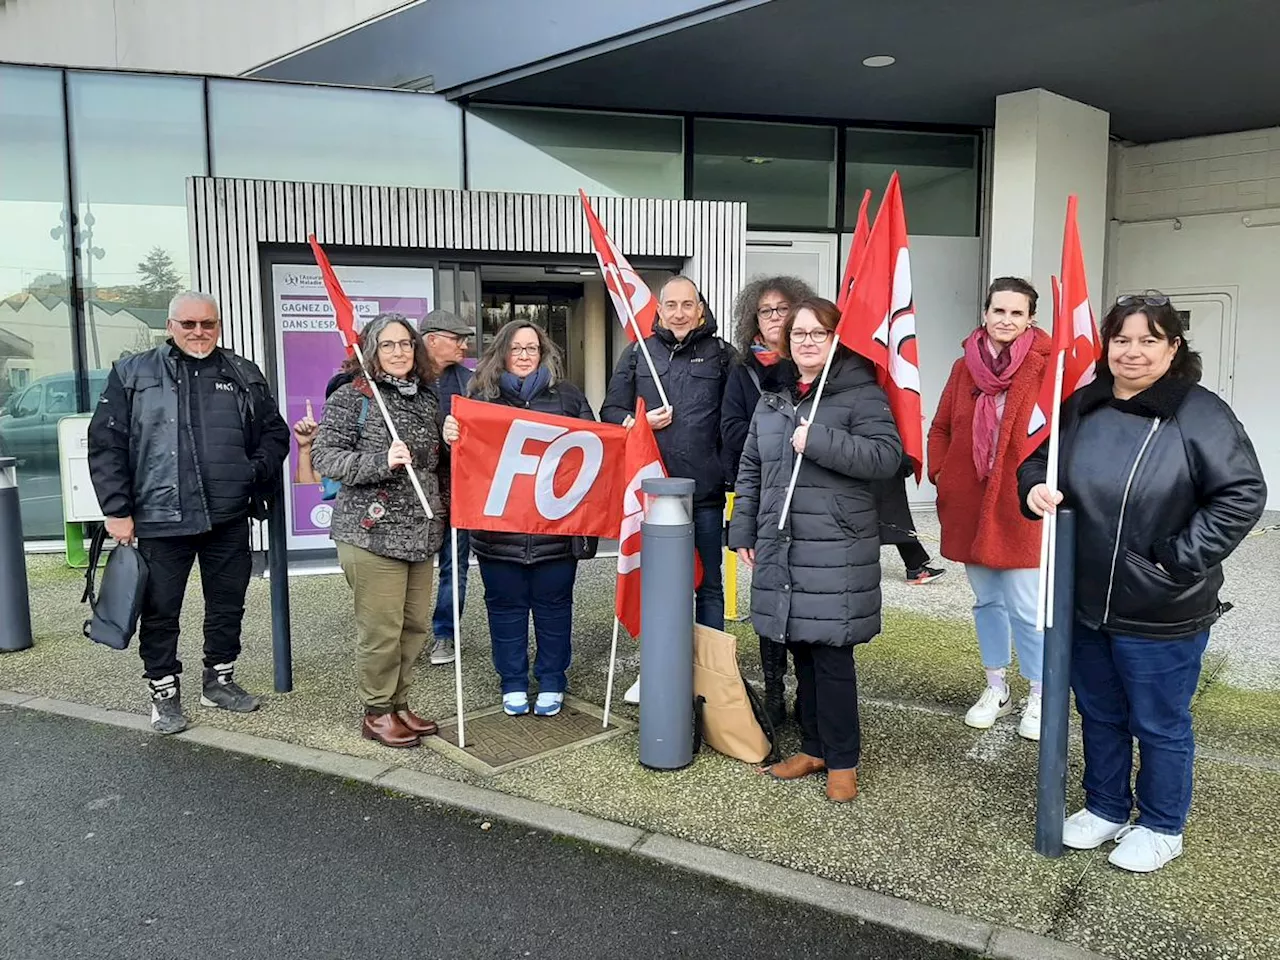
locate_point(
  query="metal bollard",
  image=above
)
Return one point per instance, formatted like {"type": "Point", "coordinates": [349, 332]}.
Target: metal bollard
{"type": "Point", "coordinates": [666, 616]}
{"type": "Point", "coordinates": [15, 603]}
{"type": "Point", "coordinates": [1055, 722]}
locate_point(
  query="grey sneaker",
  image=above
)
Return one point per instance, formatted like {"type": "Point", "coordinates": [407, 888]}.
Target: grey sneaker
{"type": "Point", "coordinates": [222, 691]}
{"type": "Point", "coordinates": [166, 705]}
{"type": "Point", "coordinates": [442, 651]}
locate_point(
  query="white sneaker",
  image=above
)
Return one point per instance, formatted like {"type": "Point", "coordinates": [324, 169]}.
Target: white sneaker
{"type": "Point", "coordinates": [1088, 831]}
{"type": "Point", "coordinates": [633, 692]}
{"type": "Point", "coordinates": [1029, 725]}
{"type": "Point", "coordinates": [991, 706]}
{"type": "Point", "coordinates": [1141, 850]}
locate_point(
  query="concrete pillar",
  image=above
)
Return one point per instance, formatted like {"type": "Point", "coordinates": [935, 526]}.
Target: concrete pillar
{"type": "Point", "coordinates": [1046, 147]}
{"type": "Point", "coordinates": [595, 365]}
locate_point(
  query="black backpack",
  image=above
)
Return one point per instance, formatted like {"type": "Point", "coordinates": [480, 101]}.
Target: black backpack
{"type": "Point", "coordinates": [117, 601]}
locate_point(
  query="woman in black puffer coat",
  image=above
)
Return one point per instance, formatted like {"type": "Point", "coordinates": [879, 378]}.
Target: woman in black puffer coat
{"type": "Point", "coordinates": [815, 584]}
{"type": "Point", "coordinates": [527, 573]}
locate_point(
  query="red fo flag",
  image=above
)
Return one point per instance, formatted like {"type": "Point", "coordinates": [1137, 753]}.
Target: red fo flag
{"type": "Point", "coordinates": [878, 320]}
{"type": "Point", "coordinates": [1075, 336]}
{"type": "Point", "coordinates": [631, 296]}
{"type": "Point", "coordinates": [343, 311]}
{"type": "Point", "coordinates": [642, 461]}
{"type": "Point", "coordinates": [857, 245]}
{"type": "Point", "coordinates": [518, 471]}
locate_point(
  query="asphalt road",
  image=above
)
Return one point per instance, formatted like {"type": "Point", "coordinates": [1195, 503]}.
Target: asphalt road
{"type": "Point", "coordinates": [118, 844]}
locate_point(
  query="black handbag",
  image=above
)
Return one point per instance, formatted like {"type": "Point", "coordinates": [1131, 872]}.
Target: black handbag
{"type": "Point", "coordinates": [584, 548]}
{"type": "Point", "coordinates": [116, 601]}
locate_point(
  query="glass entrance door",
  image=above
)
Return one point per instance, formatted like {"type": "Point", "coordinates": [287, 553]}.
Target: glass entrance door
{"type": "Point", "coordinates": [550, 309]}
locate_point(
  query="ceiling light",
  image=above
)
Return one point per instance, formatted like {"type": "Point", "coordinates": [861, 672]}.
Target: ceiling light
{"type": "Point", "coordinates": [880, 60]}
{"type": "Point", "coordinates": [586, 273]}
{"type": "Point", "coordinates": [757, 161]}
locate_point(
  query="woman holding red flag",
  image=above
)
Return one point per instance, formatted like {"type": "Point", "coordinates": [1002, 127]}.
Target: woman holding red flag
{"type": "Point", "coordinates": [974, 446]}
{"type": "Point", "coordinates": [523, 573]}
{"type": "Point", "coordinates": [815, 583]}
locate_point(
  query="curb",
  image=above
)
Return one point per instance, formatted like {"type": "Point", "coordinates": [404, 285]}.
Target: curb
{"type": "Point", "coordinates": [985, 939]}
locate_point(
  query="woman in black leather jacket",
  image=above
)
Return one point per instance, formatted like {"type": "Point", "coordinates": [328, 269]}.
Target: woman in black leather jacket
{"type": "Point", "coordinates": [527, 573]}
{"type": "Point", "coordinates": [1165, 484]}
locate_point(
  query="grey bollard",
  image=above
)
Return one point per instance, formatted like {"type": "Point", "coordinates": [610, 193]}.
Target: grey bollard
{"type": "Point", "coordinates": [1055, 720]}
{"type": "Point", "coordinates": [666, 624]}
{"type": "Point", "coordinates": [15, 605]}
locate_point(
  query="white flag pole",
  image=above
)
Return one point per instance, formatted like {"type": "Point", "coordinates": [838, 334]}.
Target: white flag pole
{"type": "Point", "coordinates": [813, 412]}
{"type": "Point", "coordinates": [391, 428]}
{"type": "Point", "coordinates": [457, 641]}
{"type": "Point", "coordinates": [612, 268]}
{"type": "Point", "coordinates": [613, 662]}
{"type": "Point", "coordinates": [1048, 538]}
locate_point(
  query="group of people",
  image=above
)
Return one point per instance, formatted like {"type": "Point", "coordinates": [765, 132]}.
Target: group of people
{"type": "Point", "coordinates": [187, 442]}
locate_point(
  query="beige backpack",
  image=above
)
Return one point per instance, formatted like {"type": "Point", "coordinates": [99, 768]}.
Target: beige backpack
{"type": "Point", "coordinates": [730, 716]}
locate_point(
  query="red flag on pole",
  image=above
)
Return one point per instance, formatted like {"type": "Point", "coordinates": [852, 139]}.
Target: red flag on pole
{"type": "Point", "coordinates": [878, 319]}
{"type": "Point", "coordinates": [631, 296]}
{"type": "Point", "coordinates": [1075, 337]}
{"type": "Point", "coordinates": [343, 311]}
{"type": "Point", "coordinates": [857, 245]}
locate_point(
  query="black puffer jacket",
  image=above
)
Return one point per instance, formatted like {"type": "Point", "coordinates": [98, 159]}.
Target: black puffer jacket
{"type": "Point", "coordinates": [748, 379]}
{"type": "Point", "coordinates": [1165, 486]}
{"type": "Point", "coordinates": [561, 399]}
{"type": "Point", "coordinates": [693, 373]}
{"type": "Point", "coordinates": [817, 580]}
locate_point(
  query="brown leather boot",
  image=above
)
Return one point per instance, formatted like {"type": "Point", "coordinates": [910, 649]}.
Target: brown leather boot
{"type": "Point", "coordinates": [842, 785]}
{"type": "Point", "coordinates": [423, 728]}
{"type": "Point", "coordinates": [796, 766]}
{"type": "Point", "coordinates": [388, 729]}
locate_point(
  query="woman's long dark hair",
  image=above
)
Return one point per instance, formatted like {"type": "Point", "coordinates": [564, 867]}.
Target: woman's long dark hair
{"type": "Point", "coordinates": [1164, 321]}
{"type": "Point", "coordinates": [493, 364]}
{"type": "Point", "coordinates": [423, 368]}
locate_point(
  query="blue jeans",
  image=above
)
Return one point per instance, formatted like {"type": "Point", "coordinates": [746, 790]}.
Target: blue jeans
{"type": "Point", "coordinates": [708, 540]}
{"type": "Point", "coordinates": [1127, 688]}
{"type": "Point", "coordinates": [511, 592]}
{"type": "Point", "coordinates": [1005, 606]}
{"type": "Point", "coordinates": [442, 619]}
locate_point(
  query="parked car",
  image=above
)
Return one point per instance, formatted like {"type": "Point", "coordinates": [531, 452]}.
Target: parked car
{"type": "Point", "coordinates": [29, 421]}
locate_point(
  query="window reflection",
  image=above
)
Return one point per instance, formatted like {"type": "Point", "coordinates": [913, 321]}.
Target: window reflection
{"type": "Point", "coordinates": [938, 172]}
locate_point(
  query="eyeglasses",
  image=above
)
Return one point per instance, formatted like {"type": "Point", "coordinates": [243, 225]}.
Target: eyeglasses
{"type": "Point", "coordinates": [1152, 298]}
{"type": "Point", "coordinates": [456, 338]}
{"type": "Point", "coordinates": [190, 325]}
{"type": "Point", "coordinates": [781, 311]}
{"type": "Point", "coordinates": [519, 351]}
{"type": "Point", "coordinates": [393, 346]}
{"type": "Point", "coordinates": [821, 335]}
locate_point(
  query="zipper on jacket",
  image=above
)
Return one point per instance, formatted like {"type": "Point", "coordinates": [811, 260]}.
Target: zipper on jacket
{"type": "Point", "coordinates": [1124, 503]}
{"type": "Point", "coordinates": [184, 392]}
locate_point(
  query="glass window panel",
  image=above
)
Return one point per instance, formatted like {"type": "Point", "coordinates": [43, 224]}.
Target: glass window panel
{"type": "Point", "coordinates": [785, 172]}
{"type": "Point", "coordinates": [558, 151]}
{"type": "Point", "coordinates": [35, 309]}
{"type": "Point", "coordinates": [279, 131]}
{"type": "Point", "coordinates": [939, 175]}
{"type": "Point", "coordinates": [134, 141]}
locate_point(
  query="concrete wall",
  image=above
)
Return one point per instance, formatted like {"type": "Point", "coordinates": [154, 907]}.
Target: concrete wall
{"type": "Point", "coordinates": [226, 37]}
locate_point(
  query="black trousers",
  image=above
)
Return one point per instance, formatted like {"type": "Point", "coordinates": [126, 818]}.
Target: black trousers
{"type": "Point", "coordinates": [225, 566]}
{"type": "Point", "coordinates": [914, 555]}
{"type": "Point", "coordinates": [827, 703]}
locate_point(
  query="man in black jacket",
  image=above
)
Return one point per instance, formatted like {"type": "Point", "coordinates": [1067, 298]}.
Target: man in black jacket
{"type": "Point", "coordinates": [185, 446]}
{"type": "Point", "coordinates": [693, 364]}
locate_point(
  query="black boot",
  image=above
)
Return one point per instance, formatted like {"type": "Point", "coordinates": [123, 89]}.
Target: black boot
{"type": "Point", "coordinates": [166, 705]}
{"type": "Point", "coordinates": [773, 661]}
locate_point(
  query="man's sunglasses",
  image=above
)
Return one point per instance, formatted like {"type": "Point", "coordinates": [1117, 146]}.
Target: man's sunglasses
{"type": "Point", "coordinates": [190, 325]}
{"type": "Point", "coordinates": [1152, 298]}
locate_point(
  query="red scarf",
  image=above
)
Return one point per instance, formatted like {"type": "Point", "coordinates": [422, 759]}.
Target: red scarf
{"type": "Point", "coordinates": [760, 350]}
{"type": "Point", "coordinates": [993, 375]}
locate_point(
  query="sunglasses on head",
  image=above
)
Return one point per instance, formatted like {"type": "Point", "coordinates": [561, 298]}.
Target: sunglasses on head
{"type": "Point", "coordinates": [1152, 298]}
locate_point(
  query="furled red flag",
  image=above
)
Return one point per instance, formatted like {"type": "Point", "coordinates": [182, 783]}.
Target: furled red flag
{"type": "Point", "coordinates": [1075, 337]}
{"type": "Point", "coordinates": [858, 244]}
{"type": "Point", "coordinates": [631, 295]}
{"type": "Point", "coordinates": [642, 461]}
{"type": "Point", "coordinates": [878, 320]}
{"type": "Point", "coordinates": [343, 311]}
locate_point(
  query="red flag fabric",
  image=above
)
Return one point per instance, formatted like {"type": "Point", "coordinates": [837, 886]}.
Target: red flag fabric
{"type": "Point", "coordinates": [628, 291]}
{"type": "Point", "coordinates": [1075, 336]}
{"type": "Point", "coordinates": [518, 471]}
{"type": "Point", "coordinates": [343, 311]}
{"type": "Point", "coordinates": [642, 461]}
{"type": "Point", "coordinates": [857, 245]}
{"type": "Point", "coordinates": [878, 319]}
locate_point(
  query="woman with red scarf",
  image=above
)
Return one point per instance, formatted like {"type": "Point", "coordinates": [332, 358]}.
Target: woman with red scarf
{"type": "Point", "coordinates": [974, 450]}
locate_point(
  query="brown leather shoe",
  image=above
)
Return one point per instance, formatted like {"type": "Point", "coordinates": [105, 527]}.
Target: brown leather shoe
{"type": "Point", "coordinates": [423, 728]}
{"type": "Point", "coordinates": [796, 766]}
{"type": "Point", "coordinates": [389, 730]}
{"type": "Point", "coordinates": [842, 785]}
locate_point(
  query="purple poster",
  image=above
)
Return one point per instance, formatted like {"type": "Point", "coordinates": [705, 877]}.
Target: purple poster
{"type": "Point", "coordinates": [309, 351]}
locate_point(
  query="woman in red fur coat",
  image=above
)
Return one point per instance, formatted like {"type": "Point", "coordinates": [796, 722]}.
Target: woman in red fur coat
{"type": "Point", "coordinates": [974, 450]}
